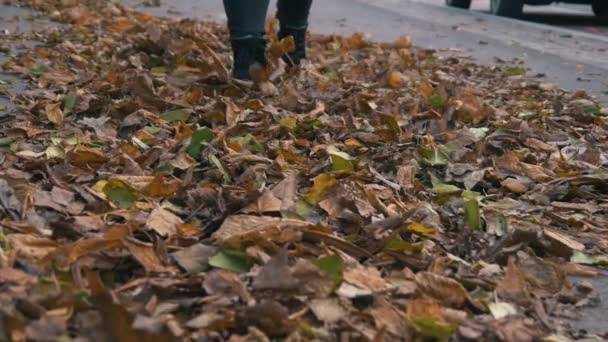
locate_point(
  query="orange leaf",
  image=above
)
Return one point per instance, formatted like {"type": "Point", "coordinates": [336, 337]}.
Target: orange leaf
{"type": "Point", "coordinates": [54, 113]}
{"type": "Point", "coordinates": [158, 187]}
{"type": "Point", "coordinates": [426, 89]}
{"type": "Point", "coordinates": [84, 156]}
{"type": "Point", "coordinates": [394, 79]}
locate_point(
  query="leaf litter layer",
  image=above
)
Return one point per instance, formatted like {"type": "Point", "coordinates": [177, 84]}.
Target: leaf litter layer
{"type": "Point", "coordinates": [381, 192]}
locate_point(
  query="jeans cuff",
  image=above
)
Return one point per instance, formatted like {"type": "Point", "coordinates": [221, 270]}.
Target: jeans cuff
{"type": "Point", "coordinates": [244, 36]}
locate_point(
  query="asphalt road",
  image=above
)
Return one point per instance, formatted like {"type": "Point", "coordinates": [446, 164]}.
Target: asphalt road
{"type": "Point", "coordinates": [571, 16]}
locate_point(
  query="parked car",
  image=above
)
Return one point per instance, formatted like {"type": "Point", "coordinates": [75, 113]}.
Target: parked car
{"type": "Point", "coordinates": [514, 8]}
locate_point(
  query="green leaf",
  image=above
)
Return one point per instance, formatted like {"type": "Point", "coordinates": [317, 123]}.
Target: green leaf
{"type": "Point", "coordinates": [517, 71]}
{"type": "Point", "coordinates": [402, 245]}
{"type": "Point", "coordinates": [68, 104]}
{"type": "Point", "coordinates": [200, 136]}
{"type": "Point", "coordinates": [441, 188]}
{"type": "Point", "coordinates": [176, 115]}
{"type": "Point", "coordinates": [5, 244]}
{"type": "Point", "coordinates": [339, 163]}
{"type": "Point", "coordinates": [310, 124]}
{"type": "Point", "coordinates": [289, 123]}
{"type": "Point", "coordinates": [3, 108]}
{"type": "Point", "coordinates": [158, 70]}
{"type": "Point", "coordinates": [421, 229]}
{"type": "Point", "coordinates": [445, 189]}
{"type": "Point", "coordinates": [120, 194]}
{"type": "Point", "coordinates": [250, 142]}
{"type": "Point", "coordinates": [432, 156]}
{"type": "Point", "coordinates": [322, 184]}
{"type": "Point", "coordinates": [253, 144]}
{"type": "Point", "coordinates": [472, 216]}
{"type": "Point", "coordinates": [467, 194]}
{"type": "Point", "coordinates": [437, 102]}
{"type": "Point", "coordinates": [430, 328]}
{"type": "Point", "coordinates": [231, 260]}
{"type": "Point", "coordinates": [39, 70]}
{"type": "Point", "coordinates": [332, 265]}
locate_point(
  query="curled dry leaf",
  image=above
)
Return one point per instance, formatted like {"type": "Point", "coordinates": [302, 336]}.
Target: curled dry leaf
{"type": "Point", "coordinates": [237, 227]}
{"type": "Point", "coordinates": [367, 278]}
{"type": "Point", "coordinates": [163, 222]}
{"type": "Point", "coordinates": [443, 289]}
{"type": "Point", "coordinates": [54, 113]}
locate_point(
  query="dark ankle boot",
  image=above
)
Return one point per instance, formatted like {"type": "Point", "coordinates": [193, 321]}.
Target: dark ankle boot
{"type": "Point", "coordinates": [247, 51]}
{"type": "Point", "coordinates": [299, 35]}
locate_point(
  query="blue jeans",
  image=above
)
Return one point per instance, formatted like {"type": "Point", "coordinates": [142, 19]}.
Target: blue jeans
{"type": "Point", "coordinates": [246, 17]}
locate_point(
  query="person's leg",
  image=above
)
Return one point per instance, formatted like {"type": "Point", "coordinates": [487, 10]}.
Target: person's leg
{"type": "Point", "coordinates": [246, 20]}
{"type": "Point", "coordinates": [293, 18]}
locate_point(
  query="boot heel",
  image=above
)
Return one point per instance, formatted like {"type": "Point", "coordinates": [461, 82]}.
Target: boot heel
{"type": "Point", "coordinates": [247, 52]}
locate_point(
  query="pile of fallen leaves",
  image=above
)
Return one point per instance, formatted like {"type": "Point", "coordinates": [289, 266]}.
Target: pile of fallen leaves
{"type": "Point", "coordinates": [380, 192]}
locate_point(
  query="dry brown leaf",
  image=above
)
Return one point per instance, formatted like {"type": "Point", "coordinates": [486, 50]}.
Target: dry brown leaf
{"type": "Point", "coordinates": [537, 173]}
{"type": "Point", "coordinates": [561, 244]}
{"type": "Point", "coordinates": [11, 276]}
{"type": "Point", "coordinates": [425, 88]}
{"type": "Point", "coordinates": [388, 316]}
{"type": "Point", "coordinates": [237, 226]}
{"type": "Point", "coordinates": [517, 330]}
{"type": "Point", "coordinates": [138, 183]}
{"type": "Point", "coordinates": [541, 274]}
{"type": "Point", "coordinates": [83, 156]}
{"type": "Point", "coordinates": [226, 283]}
{"type": "Point", "coordinates": [54, 113]}
{"type": "Point", "coordinates": [159, 187]}
{"type": "Point", "coordinates": [194, 259]}
{"type": "Point", "coordinates": [147, 257]}
{"type": "Point", "coordinates": [406, 175]}
{"type": "Point", "coordinates": [470, 109]}
{"type": "Point", "coordinates": [280, 198]}
{"type": "Point", "coordinates": [163, 222]}
{"type": "Point", "coordinates": [287, 190]}
{"type": "Point", "coordinates": [515, 186]}
{"type": "Point", "coordinates": [332, 240]}
{"type": "Point", "coordinates": [275, 275]}
{"type": "Point", "coordinates": [363, 277]}
{"type": "Point", "coordinates": [266, 203]}
{"type": "Point", "coordinates": [443, 289]}
{"type": "Point", "coordinates": [540, 145]}
{"type": "Point", "coordinates": [78, 249]}
{"type": "Point", "coordinates": [327, 310]}
{"type": "Point", "coordinates": [31, 246]}
{"type": "Point", "coordinates": [513, 286]}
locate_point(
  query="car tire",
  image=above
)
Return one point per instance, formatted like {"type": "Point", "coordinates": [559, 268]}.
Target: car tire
{"type": "Point", "coordinates": [600, 9]}
{"type": "Point", "coordinates": [458, 3]}
{"type": "Point", "coordinates": [507, 8]}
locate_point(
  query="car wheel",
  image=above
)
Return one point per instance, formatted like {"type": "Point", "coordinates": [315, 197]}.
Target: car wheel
{"type": "Point", "coordinates": [507, 8]}
{"type": "Point", "coordinates": [458, 3]}
{"type": "Point", "coordinates": [600, 8]}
